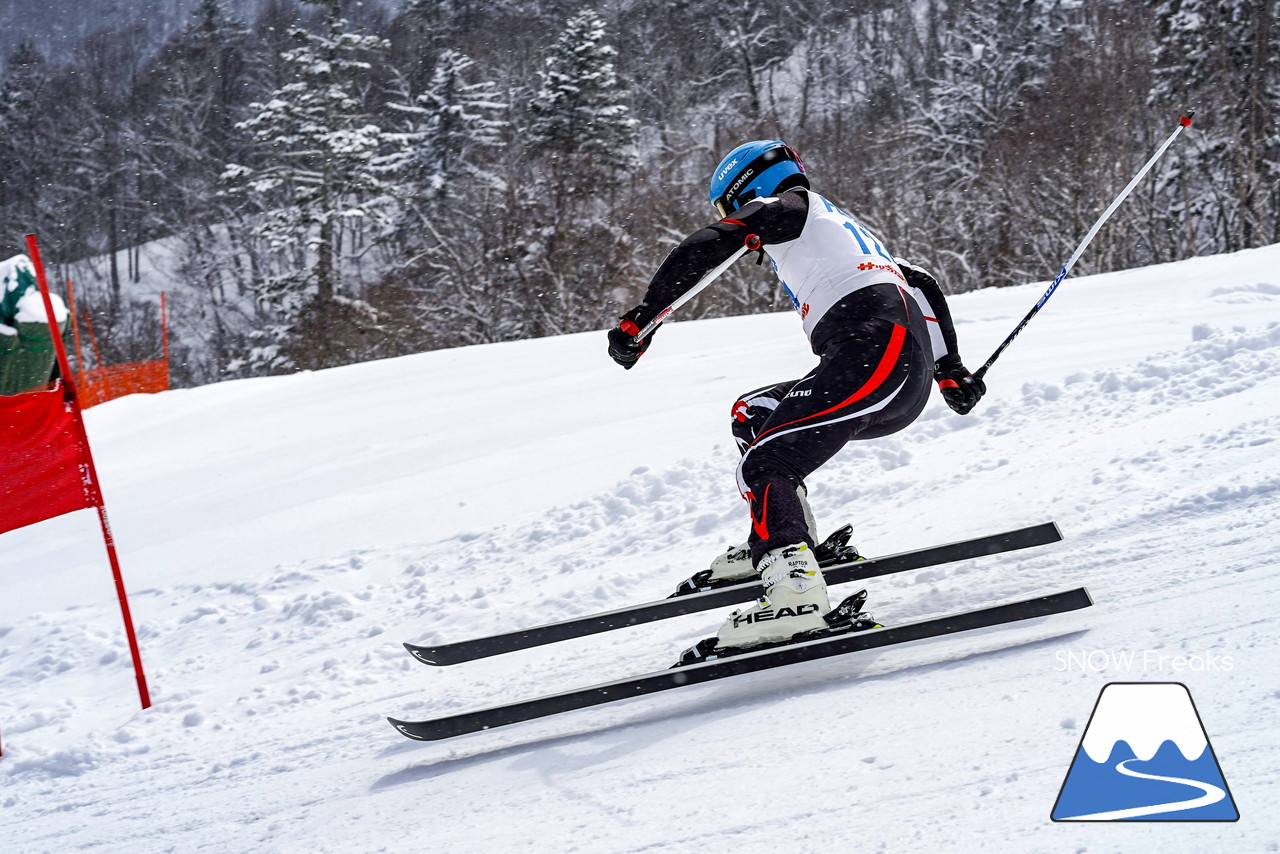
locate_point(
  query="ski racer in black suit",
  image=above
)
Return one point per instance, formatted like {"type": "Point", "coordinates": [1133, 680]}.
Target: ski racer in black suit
{"type": "Point", "coordinates": [882, 332]}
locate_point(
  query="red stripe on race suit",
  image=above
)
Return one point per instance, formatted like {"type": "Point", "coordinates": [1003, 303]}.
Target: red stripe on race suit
{"type": "Point", "coordinates": [761, 525]}
{"type": "Point", "coordinates": [882, 371]}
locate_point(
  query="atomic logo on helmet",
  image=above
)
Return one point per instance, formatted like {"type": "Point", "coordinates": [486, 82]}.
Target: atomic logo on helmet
{"type": "Point", "coordinates": [770, 167]}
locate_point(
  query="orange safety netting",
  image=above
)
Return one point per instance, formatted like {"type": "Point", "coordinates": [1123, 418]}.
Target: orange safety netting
{"type": "Point", "coordinates": [107, 382]}
{"type": "Point", "coordinates": [98, 385]}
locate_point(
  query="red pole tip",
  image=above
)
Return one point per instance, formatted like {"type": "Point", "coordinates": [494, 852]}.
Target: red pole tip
{"type": "Point", "coordinates": [1186, 121]}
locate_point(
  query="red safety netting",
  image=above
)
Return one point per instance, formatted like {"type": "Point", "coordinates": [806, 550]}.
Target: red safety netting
{"type": "Point", "coordinates": [42, 462]}
{"type": "Point", "coordinates": [46, 467]}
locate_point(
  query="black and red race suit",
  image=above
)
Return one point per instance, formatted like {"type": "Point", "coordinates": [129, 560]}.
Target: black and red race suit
{"type": "Point", "coordinates": [877, 331]}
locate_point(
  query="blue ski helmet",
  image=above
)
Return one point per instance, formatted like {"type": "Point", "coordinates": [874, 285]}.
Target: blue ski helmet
{"type": "Point", "coordinates": [757, 169]}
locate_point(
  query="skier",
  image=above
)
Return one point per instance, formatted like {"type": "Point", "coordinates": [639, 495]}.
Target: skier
{"type": "Point", "coordinates": [880, 328]}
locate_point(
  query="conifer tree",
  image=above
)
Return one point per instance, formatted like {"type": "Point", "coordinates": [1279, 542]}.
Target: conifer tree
{"type": "Point", "coordinates": [24, 161]}
{"type": "Point", "coordinates": [313, 172]}
{"type": "Point", "coordinates": [450, 126]}
{"type": "Point", "coordinates": [580, 113]}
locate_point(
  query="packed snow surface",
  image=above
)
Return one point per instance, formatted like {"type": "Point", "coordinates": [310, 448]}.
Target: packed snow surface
{"type": "Point", "coordinates": [280, 538]}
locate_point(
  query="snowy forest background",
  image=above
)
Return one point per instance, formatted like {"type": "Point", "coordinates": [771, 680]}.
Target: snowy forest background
{"type": "Point", "coordinates": [331, 181]}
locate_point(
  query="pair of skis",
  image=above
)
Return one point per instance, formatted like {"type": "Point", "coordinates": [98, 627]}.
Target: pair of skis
{"type": "Point", "coordinates": [750, 662]}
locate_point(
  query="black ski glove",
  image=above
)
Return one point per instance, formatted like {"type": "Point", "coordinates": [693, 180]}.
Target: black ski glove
{"type": "Point", "coordinates": [623, 348]}
{"type": "Point", "coordinates": [961, 389]}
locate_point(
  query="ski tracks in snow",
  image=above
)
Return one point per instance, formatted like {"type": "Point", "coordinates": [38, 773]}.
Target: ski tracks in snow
{"type": "Point", "coordinates": [270, 692]}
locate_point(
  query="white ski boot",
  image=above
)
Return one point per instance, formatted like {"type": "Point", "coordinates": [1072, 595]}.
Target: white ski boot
{"type": "Point", "coordinates": [734, 565]}
{"type": "Point", "coordinates": [731, 567]}
{"type": "Point", "coordinates": [794, 601]}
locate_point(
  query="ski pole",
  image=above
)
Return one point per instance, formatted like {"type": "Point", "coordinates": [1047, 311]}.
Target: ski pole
{"type": "Point", "coordinates": [1184, 122]}
{"type": "Point", "coordinates": [693, 291]}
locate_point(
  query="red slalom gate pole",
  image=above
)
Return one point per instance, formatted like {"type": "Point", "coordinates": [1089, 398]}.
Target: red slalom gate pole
{"type": "Point", "coordinates": [90, 471]}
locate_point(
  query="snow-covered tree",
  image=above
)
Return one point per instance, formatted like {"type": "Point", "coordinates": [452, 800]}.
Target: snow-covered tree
{"type": "Point", "coordinates": [433, 27]}
{"type": "Point", "coordinates": [995, 63]}
{"type": "Point", "coordinates": [102, 148]}
{"type": "Point", "coordinates": [450, 127]}
{"type": "Point", "coordinates": [580, 151]}
{"type": "Point", "coordinates": [199, 85]}
{"type": "Point", "coordinates": [313, 175]}
{"type": "Point", "coordinates": [1223, 58]}
{"type": "Point", "coordinates": [447, 163]}
{"type": "Point", "coordinates": [746, 37]}
{"type": "Point", "coordinates": [993, 66]}
{"type": "Point", "coordinates": [24, 159]}
{"type": "Point", "coordinates": [580, 114]}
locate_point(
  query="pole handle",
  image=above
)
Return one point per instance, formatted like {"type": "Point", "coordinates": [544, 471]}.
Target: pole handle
{"type": "Point", "coordinates": [690, 294]}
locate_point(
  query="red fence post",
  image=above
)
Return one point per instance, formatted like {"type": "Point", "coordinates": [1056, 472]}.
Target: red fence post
{"type": "Point", "coordinates": [91, 473]}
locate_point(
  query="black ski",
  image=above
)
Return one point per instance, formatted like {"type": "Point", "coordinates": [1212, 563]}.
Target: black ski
{"type": "Point", "coordinates": [750, 662]}
{"type": "Point", "coordinates": [576, 627]}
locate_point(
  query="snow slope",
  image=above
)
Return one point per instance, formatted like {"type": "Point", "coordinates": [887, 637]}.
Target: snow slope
{"type": "Point", "coordinates": [281, 537]}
